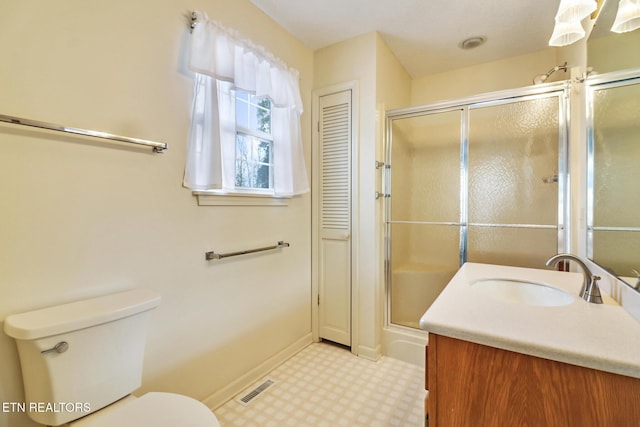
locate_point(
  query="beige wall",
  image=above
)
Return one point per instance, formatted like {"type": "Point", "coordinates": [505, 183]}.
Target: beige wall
{"type": "Point", "coordinates": [508, 73]}
{"type": "Point", "coordinates": [80, 220]}
{"type": "Point", "coordinates": [614, 52]}
{"type": "Point", "coordinates": [393, 83]}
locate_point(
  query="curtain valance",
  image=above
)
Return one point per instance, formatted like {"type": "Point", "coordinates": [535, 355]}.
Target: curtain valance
{"type": "Point", "coordinates": [223, 54]}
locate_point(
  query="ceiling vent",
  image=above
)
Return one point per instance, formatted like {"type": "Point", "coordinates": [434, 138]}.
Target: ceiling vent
{"type": "Point", "coordinates": [472, 42]}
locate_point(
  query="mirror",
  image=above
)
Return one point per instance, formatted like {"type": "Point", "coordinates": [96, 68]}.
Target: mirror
{"type": "Point", "coordinates": [613, 171]}
{"type": "Point", "coordinates": [614, 150]}
{"type": "Point", "coordinates": [608, 51]}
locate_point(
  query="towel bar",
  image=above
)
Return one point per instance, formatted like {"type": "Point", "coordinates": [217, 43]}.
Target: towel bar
{"type": "Point", "coordinates": [158, 147]}
{"type": "Point", "coordinates": [212, 255]}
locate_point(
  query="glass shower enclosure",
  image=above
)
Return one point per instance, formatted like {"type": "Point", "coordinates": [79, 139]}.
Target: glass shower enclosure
{"type": "Point", "coordinates": [481, 179]}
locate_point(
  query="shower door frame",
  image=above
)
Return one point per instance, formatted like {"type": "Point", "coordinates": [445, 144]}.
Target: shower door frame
{"type": "Point", "coordinates": [561, 90]}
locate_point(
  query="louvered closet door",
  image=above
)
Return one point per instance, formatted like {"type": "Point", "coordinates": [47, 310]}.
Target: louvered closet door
{"type": "Point", "coordinates": [334, 302]}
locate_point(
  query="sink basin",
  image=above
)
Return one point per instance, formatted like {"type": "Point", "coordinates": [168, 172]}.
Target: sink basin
{"type": "Point", "coordinates": [523, 292]}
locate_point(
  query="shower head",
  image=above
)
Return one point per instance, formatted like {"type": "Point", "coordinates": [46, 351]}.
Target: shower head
{"type": "Point", "coordinates": [541, 78]}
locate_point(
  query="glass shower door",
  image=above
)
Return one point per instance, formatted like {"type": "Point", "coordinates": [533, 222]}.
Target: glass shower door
{"type": "Point", "coordinates": [423, 217]}
{"type": "Point", "coordinates": [515, 179]}
{"type": "Point", "coordinates": [483, 181]}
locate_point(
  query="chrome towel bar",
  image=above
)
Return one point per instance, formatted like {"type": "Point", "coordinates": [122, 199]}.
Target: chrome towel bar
{"type": "Point", "coordinates": [158, 147]}
{"type": "Point", "coordinates": [212, 255]}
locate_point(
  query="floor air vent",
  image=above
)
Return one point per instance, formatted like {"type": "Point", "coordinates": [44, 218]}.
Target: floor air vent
{"type": "Point", "coordinates": [253, 394]}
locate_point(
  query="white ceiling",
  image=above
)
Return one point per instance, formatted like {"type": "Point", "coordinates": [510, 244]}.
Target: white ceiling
{"type": "Point", "coordinates": [423, 34]}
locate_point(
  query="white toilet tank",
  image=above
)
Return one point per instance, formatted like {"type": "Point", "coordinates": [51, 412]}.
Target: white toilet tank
{"type": "Point", "coordinates": [83, 355]}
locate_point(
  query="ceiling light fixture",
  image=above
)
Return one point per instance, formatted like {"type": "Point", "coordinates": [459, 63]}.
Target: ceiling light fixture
{"type": "Point", "coordinates": [568, 28]}
{"type": "Point", "coordinates": [472, 42]}
{"type": "Point", "coordinates": [565, 33]}
{"type": "Point", "coordinates": [572, 9]}
{"type": "Point", "coordinates": [628, 16]}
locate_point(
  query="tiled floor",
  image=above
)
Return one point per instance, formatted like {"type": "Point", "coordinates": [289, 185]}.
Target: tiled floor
{"type": "Point", "coordinates": [326, 385]}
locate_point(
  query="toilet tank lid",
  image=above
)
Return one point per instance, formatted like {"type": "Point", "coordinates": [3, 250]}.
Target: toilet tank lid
{"type": "Point", "coordinates": [80, 314]}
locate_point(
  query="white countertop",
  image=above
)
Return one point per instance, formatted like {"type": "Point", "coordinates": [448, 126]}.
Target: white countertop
{"type": "Point", "coordinates": [599, 336]}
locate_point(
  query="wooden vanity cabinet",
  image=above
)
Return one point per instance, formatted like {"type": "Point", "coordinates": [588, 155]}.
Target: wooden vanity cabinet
{"type": "Point", "coordinates": [475, 385]}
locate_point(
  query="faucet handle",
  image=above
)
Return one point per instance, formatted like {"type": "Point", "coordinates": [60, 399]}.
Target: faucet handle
{"type": "Point", "coordinates": [592, 293]}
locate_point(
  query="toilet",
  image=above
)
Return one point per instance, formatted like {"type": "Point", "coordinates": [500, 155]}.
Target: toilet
{"type": "Point", "coordinates": [81, 361]}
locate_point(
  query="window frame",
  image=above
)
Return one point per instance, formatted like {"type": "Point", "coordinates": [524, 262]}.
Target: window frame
{"type": "Point", "coordinates": [255, 136]}
{"type": "Point", "coordinates": [246, 196]}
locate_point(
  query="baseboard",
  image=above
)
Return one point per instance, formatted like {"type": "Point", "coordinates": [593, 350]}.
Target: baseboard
{"type": "Point", "coordinates": [369, 353]}
{"type": "Point", "coordinates": [230, 391]}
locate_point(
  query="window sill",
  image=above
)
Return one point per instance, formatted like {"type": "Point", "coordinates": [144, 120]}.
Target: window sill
{"type": "Point", "coordinates": [215, 198]}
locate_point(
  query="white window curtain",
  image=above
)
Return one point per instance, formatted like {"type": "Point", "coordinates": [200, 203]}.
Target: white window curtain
{"type": "Point", "coordinates": [223, 61]}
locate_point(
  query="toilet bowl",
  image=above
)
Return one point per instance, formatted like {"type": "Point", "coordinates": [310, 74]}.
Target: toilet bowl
{"type": "Point", "coordinates": [152, 409]}
{"type": "Point", "coordinates": [91, 352]}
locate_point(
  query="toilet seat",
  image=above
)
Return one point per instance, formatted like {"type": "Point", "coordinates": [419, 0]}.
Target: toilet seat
{"type": "Point", "coordinates": [152, 410]}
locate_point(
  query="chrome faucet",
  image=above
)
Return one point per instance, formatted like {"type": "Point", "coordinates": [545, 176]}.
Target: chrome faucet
{"type": "Point", "coordinates": [590, 291]}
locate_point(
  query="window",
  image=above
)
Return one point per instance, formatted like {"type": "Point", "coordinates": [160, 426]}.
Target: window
{"type": "Point", "coordinates": [254, 143]}
{"type": "Point", "coordinates": [245, 140]}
